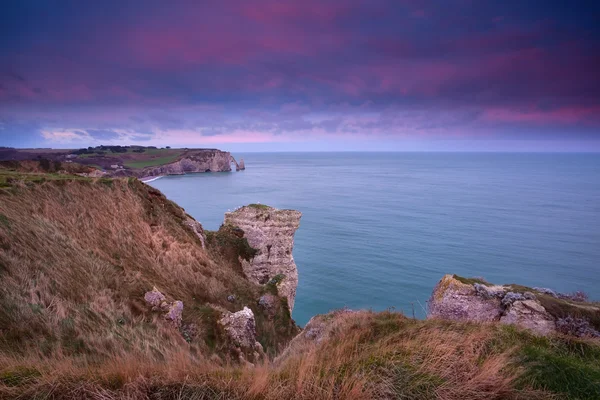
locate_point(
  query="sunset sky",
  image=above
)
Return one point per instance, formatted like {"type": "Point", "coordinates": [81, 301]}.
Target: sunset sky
{"type": "Point", "coordinates": [302, 75]}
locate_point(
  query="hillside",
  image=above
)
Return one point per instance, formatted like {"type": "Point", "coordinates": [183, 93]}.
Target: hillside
{"type": "Point", "coordinates": [81, 259]}
{"type": "Point", "coordinates": [137, 161]}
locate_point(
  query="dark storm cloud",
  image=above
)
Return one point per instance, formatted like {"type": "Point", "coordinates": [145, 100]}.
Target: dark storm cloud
{"type": "Point", "coordinates": [389, 66]}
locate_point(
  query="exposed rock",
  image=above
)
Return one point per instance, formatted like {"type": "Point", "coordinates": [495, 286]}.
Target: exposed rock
{"type": "Point", "coordinates": [241, 329]}
{"type": "Point", "coordinates": [579, 327]}
{"type": "Point", "coordinates": [454, 300]}
{"type": "Point", "coordinates": [510, 297]}
{"type": "Point", "coordinates": [316, 330]}
{"type": "Point", "coordinates": [241, 165]}
{"type": "Point", "coordinates": [231, 298]}
{"type": "Point", "coordinates": [546, 291]}
{"type": "Point", "coordinates": [197, 228]}
{"type": "Point", "coordinates": [271, 232]}
{"type": "Point", "coordinates": [208, 160]}
{"type": "Point", "coordinates": [174, 313]}
{"type": "Point", "coordinates": [529, 314]}
{"type": "Point", "coordinates": [489, 292]}
{"type": "Point", "coordinates": [542, 312]}
{"type": "Point", "coordinates": [268, 302]}
{"type": "Point", "coordinates": [158, 302]}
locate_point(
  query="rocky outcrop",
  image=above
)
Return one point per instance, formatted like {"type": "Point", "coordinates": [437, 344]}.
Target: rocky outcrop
{"type": "Point", "coordinates": [197, 228]}
{"type": "Point", "coordinates": [173, 311]}
{"type": "Point", "coordinates": [539, 310]}
{"type": "Point", "coordinates": [455, 300]}
{"type": "Point", "coordinates": [271, 233]}
{"type": "Point", "coordinates": [240, 166]}
{"type": "Point", "coordinates": [317, 329]}
{"type": "Point", "coordinates": [529, 314]}
{"type": "Point", "coordinates": [241, 330]}
{"type": "Point", "coordinates": [209, 160]}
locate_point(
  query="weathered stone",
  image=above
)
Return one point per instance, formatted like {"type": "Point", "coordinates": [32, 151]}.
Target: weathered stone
{"type": "Point", "coordinates": [197, 228]}
{"type": "Point", "coordinates": [489, 291]}
{"type": "Point", "coordinates": [511, 297]}
{"type": "Point", "coordinates": [158, 302]}
{"type": "Point", "coordinates": [174, 313]}
{"type": "Point", "coordinates": [268, 302]}
{"type": "Point", "coordinates": [209, 160]}
{"type": "Point", "coordinates": [454, 300]}
{"type": "Point", "coordinates": [529, 314]}
{"type": "Point", "coordinates": [579, 327]}
{"type": "Point", "coordinates": [271, 232]}
{"type": "Point", "coordinates": [231, 298]}
{"type": "Point", "coordinates": [316, 330]}
{"type": "Point", "coordinates": [155, 299]}
{"type": "Point", "coordinates": [546, 291]}
{"type": "Point", "coordinates": [241, 329]}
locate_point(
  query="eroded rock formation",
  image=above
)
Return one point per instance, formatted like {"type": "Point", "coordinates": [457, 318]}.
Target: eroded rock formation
{"type": "Point", "coordinates": [271, 232]}
{"type": "Point", "coordinates": [241, 329]}
{"type": "Point", "coordinates": [210, 160]}
{"type": "Point", "coordinates": [539, 310]}
{"type": "Point", "coordinates": [173, 311]}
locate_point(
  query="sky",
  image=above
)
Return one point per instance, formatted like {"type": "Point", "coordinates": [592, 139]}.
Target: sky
{"type": "Point", "coordinates": [283, 75]}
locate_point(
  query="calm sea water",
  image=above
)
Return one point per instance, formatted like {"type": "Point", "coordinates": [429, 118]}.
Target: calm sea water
{"type": "Point", "coordinates": [380, 229]}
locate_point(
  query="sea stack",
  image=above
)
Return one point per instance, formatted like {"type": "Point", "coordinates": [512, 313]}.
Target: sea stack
{"type": "Point", "coordinates": [271, 232]}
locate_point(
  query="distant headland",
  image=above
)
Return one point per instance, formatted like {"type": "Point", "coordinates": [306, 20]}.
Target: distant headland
{"type": "Point", "coordinates": [143, 162]}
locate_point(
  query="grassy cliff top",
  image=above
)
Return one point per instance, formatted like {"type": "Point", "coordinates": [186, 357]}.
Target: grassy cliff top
{"type": "Point", "coordinates": [105, 157]}
{"type": "Point", "coordinates": [78, 254]}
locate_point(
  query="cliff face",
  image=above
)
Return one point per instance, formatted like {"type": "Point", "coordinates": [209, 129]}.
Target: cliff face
{"type": "Point", "coordinates": [540, 310]}
{"type": "Point", "coordinates": [271, 232]}
{"type": "Point", "coordinates": [197, 161]}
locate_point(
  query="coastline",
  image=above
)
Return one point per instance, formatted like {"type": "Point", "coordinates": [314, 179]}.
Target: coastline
{"type": "Point", "coordinates": [149, 179]}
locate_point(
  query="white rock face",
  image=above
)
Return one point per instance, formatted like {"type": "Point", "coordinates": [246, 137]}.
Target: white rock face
{"type": "Point", "coordinates": [194, 161]}
{"type": "Point", "coordinates": [271, 232]}
{"type": "Point", "coordinates": [456, 300]}
{"type": "Point", "coordinates": [529, 314]}
{"type": "Point", "coordinates": [241, 329]}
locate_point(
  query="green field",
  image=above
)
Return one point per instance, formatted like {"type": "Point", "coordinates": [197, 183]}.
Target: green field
{"type": "Point", "coordinates": [138, 164]}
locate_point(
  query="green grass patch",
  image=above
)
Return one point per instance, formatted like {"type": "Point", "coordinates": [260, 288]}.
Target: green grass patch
{"type": "Point", "coordinates": [18, 376]}
{"type": "Point", "coordinates": [260, 206]}
{"type": "Point", "coordinates": [470, 281]}
{"type": "Point", "coordinates": [153, 162]}
{"type": "Point", "coordinates": [4, 221]}
{"type": "Point", "coordinates": [566, 366]}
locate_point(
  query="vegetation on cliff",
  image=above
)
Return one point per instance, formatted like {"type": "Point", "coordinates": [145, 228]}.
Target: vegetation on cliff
{"type": "Point", "coordinates": [78, 255]}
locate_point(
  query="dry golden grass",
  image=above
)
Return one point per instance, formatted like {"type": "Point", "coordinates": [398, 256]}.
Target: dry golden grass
{"type": "Point", "coordinates": [77, 256]}
{"type": "Point", "coordinates": [363, 356]}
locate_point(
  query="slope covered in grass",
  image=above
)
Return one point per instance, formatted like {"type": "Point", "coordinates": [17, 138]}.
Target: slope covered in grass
{"type": "Point", "coordinates": [77, 256]}
{"type": "Point", "coordinates": [361, 355]}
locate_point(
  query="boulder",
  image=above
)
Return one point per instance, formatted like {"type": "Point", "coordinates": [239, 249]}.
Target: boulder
{"type": "Point", "coordinates": [529, 314]}
{"type": "Point", "coordinates": [241, 330]}
{"type": "Point", "coordinates": [455, 300]}
{"type": "Point", "coordinates": [158, 302]}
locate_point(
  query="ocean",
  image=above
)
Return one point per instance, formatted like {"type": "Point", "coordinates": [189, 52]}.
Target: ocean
{"type": "Point", "coordinates": [379, 230]}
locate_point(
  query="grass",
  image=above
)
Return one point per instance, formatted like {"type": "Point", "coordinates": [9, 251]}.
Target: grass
{"type": "Point", "coordinates": [470, 281]}
{"type": "Point", "coordinates": [153, 162]}
{"type": "Point", "coordinates": [260, 206]}
{"type": "Point", "coordinates": [77, 256]}
{"type": "Point", "coordinates": [363, 355]}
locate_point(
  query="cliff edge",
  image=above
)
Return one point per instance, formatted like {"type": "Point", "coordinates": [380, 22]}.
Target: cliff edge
{"type": "Point", "coordinates": [271, 233]}
{"type": "Point", "coordinates": [539, 310]}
